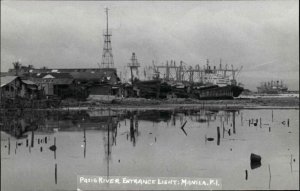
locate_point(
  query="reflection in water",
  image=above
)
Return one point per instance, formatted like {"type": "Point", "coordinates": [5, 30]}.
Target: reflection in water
{"type": "Point", "coordinates": [55, 173]}
{"type": "Point", "coordinates": [146, 140]}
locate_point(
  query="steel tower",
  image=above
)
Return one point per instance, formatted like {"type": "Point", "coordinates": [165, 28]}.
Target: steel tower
{"type": "Point", "coordinates": [107, 56]}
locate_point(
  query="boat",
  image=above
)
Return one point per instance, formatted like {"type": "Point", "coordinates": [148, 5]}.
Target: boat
{"type": "Point", "coordinates": [272, 87]}
{"type": "Point", "coordinates": [200, 83]}
{"type": "Point", "coordinates": [216, 92]}
{"type": "Point", "coordinates": [171, 81]}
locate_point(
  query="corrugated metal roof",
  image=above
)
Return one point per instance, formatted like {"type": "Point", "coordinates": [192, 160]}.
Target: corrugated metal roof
{"type": "Point", "coordinates": [7, 79]}
{"type": "Point", "coordinates": [55, 75]}
{"type": "Point", "coordinates": [28, 82]}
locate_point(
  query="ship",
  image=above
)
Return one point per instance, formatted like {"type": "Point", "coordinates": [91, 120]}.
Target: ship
{"type": "Point", "coordinates": [201, 83]}
{"type": "Point", "coordinates": [180, 81]}
{"type": "Point", "coordinates": [150, 88]}
{"type": "Point", "coordinates": [272, 87]}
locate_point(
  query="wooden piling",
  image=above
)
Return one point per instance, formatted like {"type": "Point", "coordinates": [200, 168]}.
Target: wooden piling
{"type": "Point", "coordinates": [9, 145]}
{"type": "Point", "coordinates": [288, 122]}
{"type": "Point", "coordinates": [55, 147]}
{"type": "Point", "coordinates": [272, 116]}
{"type": "Point", "coordinates": [233, 122]}
{"type": "Point", "coordinates": [260, 122]}
{"type": "Point", "coordinates": [246, 174]}
{"type": "Point", "coordinates": [241, 119]}
{"type": "Point", "coordinates": [55, 173]}
{"type": "Point", "coordinates": [32, 138]}
{"type": "Point", "coordinates": [218, 131]}
{"type": "Point", "coordinates": [84, 140]}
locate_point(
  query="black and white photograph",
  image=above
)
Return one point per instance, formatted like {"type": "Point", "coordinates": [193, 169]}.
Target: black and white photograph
{"type": "Point", "coordinates": [149, 95]}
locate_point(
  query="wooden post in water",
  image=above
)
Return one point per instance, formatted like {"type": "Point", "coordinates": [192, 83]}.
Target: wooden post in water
{"type": "Point", "coordinates": [260, 122]}
{"type": "Point", "coordinates": [84, 139]}
{"type": "Point", "coordinates": [242, 119]}
{"type": "Point", "coordinates": [55, 149]}
{"type": "Point", "coordinates": [272, 115]}
{"type": "Point", "coordinates": [288, 122]}
{"type": "Point", "coordinates": [223, 129]}
{"type": "Point", "coordinates": [218, 131]}
{"type": "Point", "coordinates": [9, 145]}
{"type": "Point", "coordinates": [233, 122]}
{"type": "Point", "coordinates": [32, 139]}
{"type": "Point", "coordinates": [55, 173]}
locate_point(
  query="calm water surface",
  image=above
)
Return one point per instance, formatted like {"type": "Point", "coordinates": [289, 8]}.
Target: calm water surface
{"type": "Point", "coordinates": [149, 144]}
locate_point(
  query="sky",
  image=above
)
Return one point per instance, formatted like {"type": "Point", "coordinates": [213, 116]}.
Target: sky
{"type": "Point", "coordinates": [261, 36]}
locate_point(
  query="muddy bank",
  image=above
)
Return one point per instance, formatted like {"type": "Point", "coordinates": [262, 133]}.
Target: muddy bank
{"type": "Point", "coordinates": [127, 103]}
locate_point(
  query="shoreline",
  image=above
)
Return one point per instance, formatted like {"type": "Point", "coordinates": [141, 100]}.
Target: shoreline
{"type": "Point", "coordinates": [179, 103]}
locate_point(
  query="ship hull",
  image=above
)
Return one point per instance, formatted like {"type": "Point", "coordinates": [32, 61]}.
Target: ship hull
{"type": "Point", "coordinates": [148, 89]}
{"type": "Point", "coordinates": [215, 92]}
{"type": "Point", "coordinates": [156, 89]}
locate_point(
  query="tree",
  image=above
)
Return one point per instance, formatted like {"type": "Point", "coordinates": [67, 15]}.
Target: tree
{"type": "Point", "coordinates": [17, 66]}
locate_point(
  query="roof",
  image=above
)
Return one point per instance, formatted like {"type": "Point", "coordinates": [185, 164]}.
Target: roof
{"type": "Point", "coordinates": [59, 78]}
{"type": "Point", "coordinates": [28, 82]}
{"type": "Point", "coordinates": [7, 79]}
{"type": "Point", "coordinates": [93, 75]}
{"type": "Point", "coordinates": [70, 70]}
{"type": "Point", "coordinates": [51, 75]}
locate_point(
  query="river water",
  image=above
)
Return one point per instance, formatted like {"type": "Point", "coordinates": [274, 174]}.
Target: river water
{"type": "Point", "coordinates": [150, 143]}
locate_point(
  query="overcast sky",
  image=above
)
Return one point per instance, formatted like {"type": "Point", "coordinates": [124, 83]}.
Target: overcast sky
{"type": "Point", "coordinates": [261, 36]}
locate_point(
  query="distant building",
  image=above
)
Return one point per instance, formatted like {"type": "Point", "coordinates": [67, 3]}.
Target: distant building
{"type": "Point", "coordinates": [52, 83]}
{"type": "Point", "coordinates": [81, 75]}
{"type": "Point", "coordinates": [94, 81]}
{"type": "Point", "coordinates": [29, 89]}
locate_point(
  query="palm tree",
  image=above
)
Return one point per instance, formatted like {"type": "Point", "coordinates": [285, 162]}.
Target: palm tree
{"type": "Point", "coordinates": [17, 66]}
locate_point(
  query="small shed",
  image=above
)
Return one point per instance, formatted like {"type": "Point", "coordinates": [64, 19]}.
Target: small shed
{"type": "Point", "coordinates": [10, 87]}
